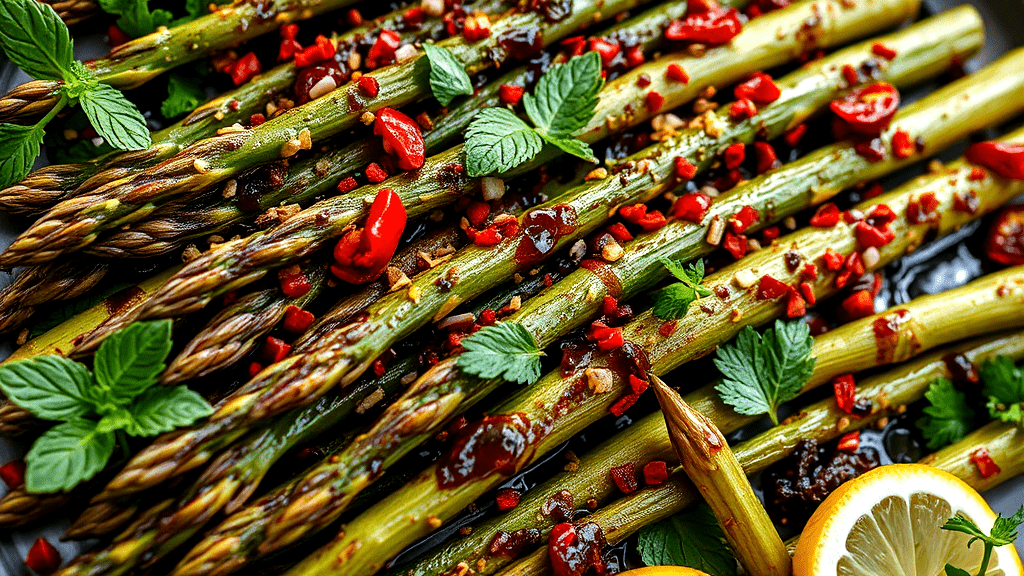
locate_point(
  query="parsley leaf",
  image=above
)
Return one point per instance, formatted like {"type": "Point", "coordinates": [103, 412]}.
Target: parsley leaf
{"type": "Point", "coordinates": [35, 39]}
{"type": "Point", "coordinates": [129, 360]}
{"type": "Point", "coordinates": [498, 141]}
{"type": "Point", "coordinates": [1004, 387]}
{"type": "Point", "coordinates": [673, 301]}
{"type": "Point", "coordinates": [947, 418]}
{"type": "Point", "coordinates": [115, 118]}
{"type": "Point", "coordinates": [67, 454]}
{"type": "Point", "coordinates": [183, 97]}
{"type": "Point", "coordinates": [21, 146]}
{"type": "Point", "coordinates": [135, 17]}
{"type": "Point", "coordinates": [51, 387]}
{"type": "Point", "coordinates": [693, 539]}
{"type": "Point", "coordinates": [505, 349]}
{"type": "Point", "coordinates": [448, 77]}
{"type": "Point", "coordinates": [1004, 532]}
{"type": "Point", "coordinates": [566, 96]}
{"type": "Point", "coordinates": [762, 372]}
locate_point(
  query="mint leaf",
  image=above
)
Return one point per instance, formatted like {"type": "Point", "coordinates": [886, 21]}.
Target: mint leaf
{"type": "Point", "coordinates": [66, 455]}
{"type": "Point", "coordinates": [165, 408]}
{"type": "Point", "coordinates": [35, 39]}
{"type": "Point", "coordinates": [760, 373]}
{"type": "Point", "coordinates": [673, 301]}
{"type": "Point", "coordinates": [947, 418]}
{"type": "Point", "coordinates": [135, 17]}
{"type": "Point", "coordinates": [183, 96]}
{"type": "Point", "coordinates": [505, 349]}
{"type": "Point", "coordinates": [448, 77]}
{"type": "Point", "coordinates": [20, 145]}
{"type": "Point", "coordinates": [577, 148]}
{"type": "Point", "coordinates": [566, 96]}
{"type": "Point", "coordinates": [115, 118]}
{"type": "Point", "coordinates": [130, 360]}
{"type": "Point", "coordinates": [497, 141]}
{"type": "Point", "coordinates": [693, 539]}
{"type": "Point", "coordinates": [51, 387]}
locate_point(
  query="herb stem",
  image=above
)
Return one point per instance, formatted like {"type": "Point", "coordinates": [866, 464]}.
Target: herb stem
{"type": "Point", "coordinates": [985, 559]}
{"type": "Point", "coordinates": [53, 111]}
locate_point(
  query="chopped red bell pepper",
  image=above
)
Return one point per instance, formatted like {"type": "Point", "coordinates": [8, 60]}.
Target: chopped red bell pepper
{"type": "Point", "coordinates": [274, 350]}
{"type": "Point", "coordinates": [510, 94]}
{"type": "Point", "coordinates": [607, 338]}
{"type": "Point", "coordinates": [983, 461]}
{"type": "Point", "coordinates": [902, 145]}
{"type": "Point", "coordinates": [845, 389]}
{"type": "Point", "coordinates": [608, 50]}
{"type": "Point", "coordinates": [692, 207]}
{"type": "Point", "coordinates": [849, 442]}
{"type": "Point", "coordinates": [383, 50]}
{"type": "Point", "coordinates": [477, 26]}
{"type": "Point", "coordinates": [363, 254]}
{"type": "Point", "coordinates": [868, 110]}
{"type": "Point", "coordinates": [297, 320]}
{"type": "Point", "coordinates": [624, 403]}
{"type": "Point", "coordinates": [714, 27]}
{"type": "Point", "coordinates": [638, 385]}
{"type": "Point", "coordinates": [740, 221]}
{"type": "Point", "coordinates": [42, 557]}
{"type": "Point", "coordinates": [833, 260]}
{"type": "Point", "coordinates": [676, 73]}
{"type": "Point", "coordinates": [734, 156]}
{"type": "Point", "coordinates": [1005, 241]}
{"type": "Point", "coordinates": [684, 169]}
{"type": "Point", "coordinates": [508, 498]}
{"type": "Point", "coordinates": [293, 282]}
{"type": "Point", "coordinates": [624, 477]}
{"type": "Point", "coordinates": [244, 69]}
{"type": "Point", "coordinates": [858, 305]}
{"type": "Point", "coordinates": [735, 245]}
{"type": "Point", "coordinates": [322, 49]}
{"type": "Point", "coordinates": [759, 88]}
{"type": "Point", "coordinates": [826, 216]}
{"type": "Point", "coordinates": [638, 214]}
{"type": "Point", "coordinates": [796, 306]}
{"type": "Point", "coordinates": [655, 473]}
{"type": "Point", "coordinates": [13, 474]}
{"type": "Point", "coordinates": [794, 135]}
{"type": "Point", "coordinates": [402, 136]}
{"type": "Point", "coordinates": [375, 174]}
{"type": "Point", "coordinates": [766, 157]}
{"type": "Point", "coordinates": [347, 185]}
{"type": "Point", "coordinates": [1004, 158]}
{"type": "Point", "coordinates": [742, 109]}
{"type": "Point", "coordinates": [807, 291]}
{"type": "Point", "coordinates": [770, 289]}
{"type": "Point", "coordinates": [368, 85]}
{"type": "Point", "coordinates": [619, 232]}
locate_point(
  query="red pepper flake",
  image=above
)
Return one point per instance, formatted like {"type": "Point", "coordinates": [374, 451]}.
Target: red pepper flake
{"type": "Point", "coordinates": [347, 185]}
{"type": "Point", "coordinates": [734, 156]}
{"type": "Point", "coordinates": [638, 385]}
{"type": "Point", "coordinates": [507, 499]}
{"type": "Point", "coordinates": [807, 291]}
{"type": "Point", "coordinates": [796, 306]}
{"type": "Point", "coordinates": [655, 473]}
{"type": "Point", "coordinates": [653, 101]}
{"type": "Point", "coordinates": [968, 204]}
{"type": "Point", "coordinates": [375, 174]}
{"type": "Point", "coordinates": [624, 477]}
{"type": "Point", "coordinates": [845, 389]}
{"type": "Point", "coordinates": [766, 157]}
{"type": "Point", "coordinates": [858, 305]}
{"type": "Point", "coordinates": [274, 350]}
{"type": "Point", "coordinates": [607, 338]}
{"type": "Point", "coordinates": [323, 49]}
{"type": "Point", "coordinates": [868, 110]}
{"type": "Point", "coordinates": [623, 404]}
{"type": "Point", "coordinates": [735, 245]}
{"type": "Point", "coordinates": [402, 137]}
{"type": "Point", "coordinates": [902, 145]}
{"type": "Point", "coordinates": [257, 119]}
{"type": "Point", "coordinates": [255, 368]}
{"type": "Point", "coordinates": [810, 271]}
{"type": "Point", "coordinates": [879, 49]}
{"type": "Point", "coordinates": [383, 50]}
{"type": "Point", "coordinates": [986, 466]}
{"type": "Point", "coordinates": [922, 209]}
{"type": "Point", "coordinates": [872, 150]}
{"type": "Point", "coordinates": [833, 260]}
{"type": "Point", "coordinates": [43, 558]}
{"type": "Point", "coordinates": [368, 85]}
{"type": "Point", "coordinates": [635, 56]}
{"type": "Point", "coordinates": [740, 221]}
{"type": "Point", "coordinates": [713, 27]}
{"type": "Point", "coordinates": [476, 27]}
{"type": "Point", "coordinates": [638, 214]}
{"type": "Point", "coordinates": [244, 69]}
{"type": "Point", "coordinates": [692, 207]}
{"type": "Point", "coordinates": [770, 289]}
{"type": "Point", "coordinates": [850, 74]}
{"type": "Point", "coordinates": [487, 317]}
{"type": "Point", "coordinates": [849, 442]}
{"type": "Point", "coordinates": [684, 169]}
{"type": "Point", "coordinates": [619, 232]}
{"type": "Point", "coordinates": [294, 282]}
{"type": "Point", "coordinates": [875, 231]}
{"type": "Point", "coordinates": [608, 50]}
{"type": "Point", "coordinates": [742, 109]}
{"type": "Point", "coordinates": [676, 73]}
{"type": "Point", "coordinates": [1003, 158]}
{"type": "Point", "coordinates": [668, 328]}
{"type": "Point", "coordinates": [297, 320]}
{"type": "Point", "coordinates": [976, 174]}
{"type": "Point", "coordinates": [826, 216]}
{"type": "Point", "coordinates": [13, 474]}
{"type": "Point", "coordinates": [759, 88]}
{"type": "Point", "coordinates": [1005, 241]}
{"type": "Point", "coordinates": [793, 136]}
{"type": "Point", "coordinates": [510, 95]}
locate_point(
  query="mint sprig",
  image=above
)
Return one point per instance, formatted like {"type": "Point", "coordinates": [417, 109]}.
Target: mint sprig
{"type": "Point", "coordinates": [694, 539]}
{"type": "Point", "coordinates": [1003, 533]}
{"type": "Point", "coordinates": [120, 397]}
{"type": "Point", "coordinates": [448, 79]}
{"type": "Point", "coordinates": [562, 104]}
{"type": "Point", "coordinates": [183, 96]}
{"type": "Point", "coordinates": [505, 350]}
{"type": "Point", "coordinates": [674, 300]}
{"type": "Point", "coordinates": [37, 41]}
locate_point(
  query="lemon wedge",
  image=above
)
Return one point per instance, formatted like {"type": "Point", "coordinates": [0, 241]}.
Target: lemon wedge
{"type": "Point", "coordinates": [664, 571]}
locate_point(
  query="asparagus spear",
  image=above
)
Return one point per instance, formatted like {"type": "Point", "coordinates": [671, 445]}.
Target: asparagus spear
{"type": "Point", "coordinates": [47, 186]}
{"type": "Point", "coordinates": [646, 440]}
{"type": "Point", "coordinates": [565, 408]}
{"type": "Point", "coordinates": [73, 11]}
{"type": "Point", "coordinates": [302, 377]}
{"type": "Point", "coordinates": [53, 282]}
{"type": "Point", "coordinates": [711, 464]}
{"type": "Point", "coordinates": [209, 161]}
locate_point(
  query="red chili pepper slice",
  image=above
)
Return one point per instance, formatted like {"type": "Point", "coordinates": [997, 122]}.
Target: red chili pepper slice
{"type": "Point", "coordinates": [882, 50]}
{"type": "Point", "coordinates": [760, 88]}
{"type": "Point", "coordinates": [13, 473]}
{"type": "Point", "coordinates": [714, 27]}
{"type": "Point", "coordinates": [858, 305]}
{"type": "Point", "coordinates": [1003, 158]}
{"type": "Point", "coordinates": [1005, 241]}
{"type": "Point", "coordinates": [868, 110]}
{"type": "Point", "coordinates": [383, 50]}
{"type": "Point", "coordinates": [244, 68]}
{"type": "Point", "coordinates": [902, 145]}
{"type": "Point", "coordinates": [692, 207]}
{"type": "Point", "coordinates": [845, 389]}
{"type": "Point", "coordinates": [769, 288]}
{"type": "Point", "coordinates": [850, 442]}
{"type": "Point", "coordinates": [983, 461]}
{"type": "Point", "coordinates": [362, 255]}
{"type": "Point", "coordinates": [402, 136]}
{"type": "Point", "coordinates": [43, 558]}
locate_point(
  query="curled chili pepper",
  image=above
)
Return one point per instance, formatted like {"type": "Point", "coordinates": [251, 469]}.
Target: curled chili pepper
{"type": "Point", "coordinates": [1003, 158]}
{"type": "Point", "coordinates": [402, 137]}
{"type": "Point", "coordinates": [1005, 242]}
{"type": "Point", "coordinates": [714, 27]}
{"type": "Point", "coordinates": [362, 255]}
{"type": "Point", "coordinates": [868, 110]}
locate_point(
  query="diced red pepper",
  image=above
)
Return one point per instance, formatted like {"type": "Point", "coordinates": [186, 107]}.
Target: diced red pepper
{"type": "Point", "coordinates": [477, 212]}
{"type": "Point", "coordinates": [692, 207]}
{"type": "Point", "coordinates": [476, 27]}
{"type": "Point", "coordinates": [353, 17]}
{"type": "Point", "coordinates": [714, 27]}
{"type": "Point", "coordinates": [619, 232]}
{"type": "Point", "coordinates": [807, 291]}
{"type": "Point", "coordinates": [735, 245]}
{"type": "Point", "coordinates": [244, 69]}
{"type": "Point", "coordinates": [770, 234]}
{"type": "Point", "coordinates": [638, 385]}
{"type": "Point", "coordinates": [609, 306]}
{"type": "Point", "coordinates": [734, 156]}
{"type": "Point", "coordinates": [375, 174]}
{"type": "Point", "coordinates": [635, 56]}
{"type": "Point", "coordinates": [770, 289]}
{"type": "Point", "coordinates": [684, 169]}
{"type": "Point", "coordinates": [289, 48]}
{"type": "Point", "coordinates": [976, 174]}
{"type": "Point", "coordinates": [574, 45]}
{"type": "Point", "coordinates": [638, 214]}
{"type": "Point", "coordinates": [833, 260]}
{"type": "Point", "coordinates": [414, 16]}
{"type": "Point", "coordinates": [759, 88]}
{"type": "Point", "coordinates": [293, 284]}
{"type": "Point", "coordinates": [1005, 241]}
{"type": "Point", "coordinates": [43, 558]}
{"type": "Point", "coordinates": [796, 306]}
{"type": "Point", "coordinates": [858, 305]}
{"type": "Point", "coordinates": [323, 49]}
{"type": "Point", "coordinates": [608, 50]}
{"type": "Point", "coordinates": [668, 328]}
{"type": "Point", "coordinates": [402, 136]}
{"type": "Point", "coordinates": [676, 73]}
{"type": "Point", "coordinates": [383, 50]}
{"type": "Point", "coordinates": [882, 50]}
{"type": "Point", "coordinates": [13, 474]}
{"type": "Point", "coordinates": [624, 477]}
{"type": "Point", "coordinates": [380, 368]}
{"type": "Point", "coordinates": [742, 109]}
{"type": "Point", "coordinates": [902, 145]}
{"type": "Point", "coordinates": [740, 221]}
{"type": "Point", "coordinates": [347, 185]}
{"type": "Point", "coordinates": [868, 110]}
{"type": "Point", "coordinates": [983, 461]}
{"type": "Point", "coordinates": [850, 442]}
{"type": "Point", "coordinates": [1003, 158]}
{"type": "Point", "coordinates": [766, 157]}
{"type": "Point", "coordinates": [487, 317]}
{"type": "Point", "coordinates": [255, 368]}
{"type": "Point", "coordinates": [793, 136]}
{"type": "Point", "coordinates": [362, 254]}
{"type": "Point", "coordinates": [607, 338]}
{"type": "Point", "coordinates": [368, 85]}
{"type": "Point", "coordinates": [850, 74]}
{"type": "Point", "coordinates": [826, 216]}
{"type": "Point", "coordinates": [655, 473]}
{"type": "Point", "coordinates": [297, 320]}
{"type": "Point", "coordinates": [510, 94]}
{"type": "Point", "coordinates": [845, 389]}
{"type": "Point", "coordinates": [623, 404]}
{"type": "Point", "coordinates": [873, 150]}
{"type": "Point", "coordinates": [274, 350]}
{"type": "Point", "coordinates": [508, 498]}
{"type": "Point", "coordinates": [653, 101]}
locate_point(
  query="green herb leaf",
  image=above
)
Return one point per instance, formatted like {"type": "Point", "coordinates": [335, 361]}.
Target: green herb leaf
{"type": "Point", "coordinates": [165, 408]}
{"type": "Point", "coordinates": [760, 373]}
{"type": "Point", "coordinates": [954, 571]}
{"type": "Point", "coordinates": [51, 387]}
{"type": "Point", "coordinates": [35, 39]}
{"type": "Point", "coordinates": [497, 141]}
{"type": "Point", "coordinates": [947, 418]}
{"type": "Point", "coordinates": [505, 349]}
{"type": "Point", "coordinates": [66, 455]}
{"type": "Point", "coordinates": [1004, 530]}
{"type": "Point", "coordinates": [693, 539]}
{"type": "Point", "coordinates": [130, 360]}
{"type": "Point", "coordinates": [448, 77]}
{"type": "Point", "coordinates": [566, 96]}
{"type": "Point", "coordinates": [135, 17]}
{"type": "Point", "coordinates": [1004, 387]}
{"type": "Point", "coordinates": [577, 148]}
{"type": "Point", "coordinates": [183, 96]}
{"type": "Point", "coordinates": [21, 147]}
{"type": "Point", "coordinates": [115, 118]}
{"type": "Point", "coordinates": [673, 301]}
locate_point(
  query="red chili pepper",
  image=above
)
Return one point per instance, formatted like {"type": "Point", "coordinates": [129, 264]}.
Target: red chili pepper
{"type": "Point", "coordinates": [347, 184]}
{"type": "Point", "coordinates": [289, 48]}
{"type": "Point", "coordinates": [507, 499]}
{"type": "Point", "coordinates": [297, 320]}
{"type": "Point", "coordinates": [858, 305]}
{"type": "Point", "coordinates": [713, 27]}
{"type": "Point", "coordinates": [624, 477]}
{"type": "Point", "coordinates": [510, 94]}
{"type": "Point", "coordinates": [293, 282]}
{"type": "Point", "coordinates": [607, 50]}
{"type": "Point", "coordinates": [676, 73]}
{"type": "Point", "coordinates": [882, 50]}
{"type": "Point", "coordinates": [375, 174]}
{"type": "Point", "coordinates": [684, 169]}
{"type": "Point", "coordinates": [362, 255]}
{"type": "Point", "coordinates": [740, 221]}
{"type": "Point", "coordinates": [1005, 241]}
{"type": "Point", "coordinates": [13, 473]}
{"type": "Point", "coordinates": [244, 68]}
{"type": "Point", "coordinates": [902, 145]}
{"type": "Point", "coordinates": [868, 110]}
{"type": "Point", "coordinates": [793, 136]}
{"type": "Point", "coordinates": [769, 288]}
{"type": "Point", "coordinates": [742, 109]}
{"type": "Point", "coordinates": [826, 216]}
{"type": "Point", "coordinates": [369, 86]}
{"type": "Point", "coordinates": [383, 50]}
{"type": "Point", "coordinates": [322, 49]}
{"type": "Point", "coordinates": [850, 442]}
{"type": "Point", "coordinates": [845, 387]}
{"type": "Point", "coordinates": [1003, 158]}
{"type": "Point", "coordinates": [402, 136]}
{"type": "Point", "coordinates": [619, 232]}
{"type": "Point", "coordinates": [734, 156]}
{"type": "Point", "coordinates": [759, 88]}
{"type": "Point", "coordinates": [692, 207]}
{"type": "Point", "coordinates": [655, 473]}
{"type": "Point", "coordinates": [850, 74]}
{"type": "Point", "coordinates": [766, 158]}
{"type": "Point", "coordinates": [638, 214]}
{"type": "Point", "coordinates": [635, 56]}
{"type": "Point", "coordinates": [986, 466]}
{"type": "Point", "coordinates": [735, 244]}
{"type": "Point", "coordinates": [43, 558]}
{"type": "Point", "coordinates": [796, 306]}
{"type": "Point", "coordinates": [622, 404]}
{"type": "Point", "coordinates": [653, 101]}
{"type": "Point", "coordinates": [771, 233]}
{"type": "Point", "coordinates": [274, 350]}
{"type": "Point", "coordinates": [607, 338]}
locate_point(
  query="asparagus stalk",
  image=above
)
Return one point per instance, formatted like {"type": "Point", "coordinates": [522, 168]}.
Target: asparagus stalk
{"type": "Point", "coordinates": [209, 161]}
{"type": "Point", "coordinates": [142, 59]}
{"type": "Point", "coordinates": [646, 440]}
{"type": "Point", "coordinates": [47, 186]}
{"type": "Point", "coordinates": [303, 377]}
{"type": "Point", "coordinates": [53, 282]}
{"type": "Point", "coordinates": [711, 464]}
{"type": "Point", "coordinates": [73, 11]}
{"type": "Point", "coordinates": [565, 408]}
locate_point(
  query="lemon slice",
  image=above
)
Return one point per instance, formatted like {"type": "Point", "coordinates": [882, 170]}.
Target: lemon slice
{"type": "Point", "coordinates": [664, 571]}
{"type": "Point", "coordinates": [888, 521]}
